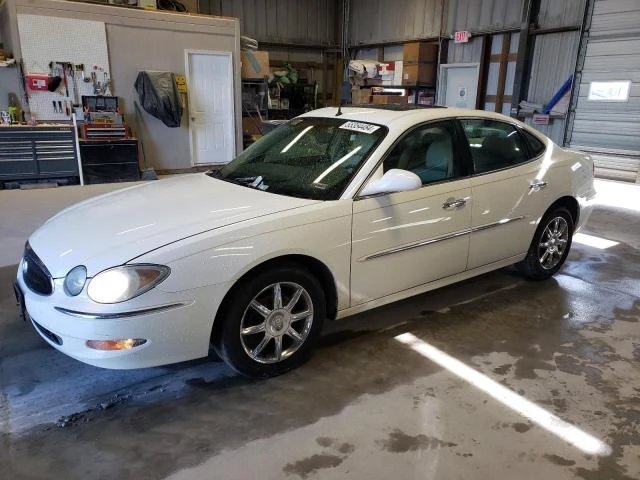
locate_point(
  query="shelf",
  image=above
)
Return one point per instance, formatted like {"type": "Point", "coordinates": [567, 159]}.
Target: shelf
{"type": "Point", "coordinates": [413, 86]}
{"type": "Point", "coordinates": [531, 114]}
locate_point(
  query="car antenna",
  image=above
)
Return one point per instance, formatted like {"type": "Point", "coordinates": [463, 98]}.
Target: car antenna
{"type": "Point", "coordinates": [339, 112]}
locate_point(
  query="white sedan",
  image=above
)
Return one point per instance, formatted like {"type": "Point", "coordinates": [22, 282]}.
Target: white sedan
{"type": "Point", "coordinates": [331, 214]}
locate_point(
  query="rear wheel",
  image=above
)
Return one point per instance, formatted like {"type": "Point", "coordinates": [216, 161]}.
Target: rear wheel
{"type": "Point", "coordinates": [550, 245]}
{"type": "Point", "coordinates": [271, 322]}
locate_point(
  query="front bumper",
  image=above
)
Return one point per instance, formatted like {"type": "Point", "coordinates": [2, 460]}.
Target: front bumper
{"type": "Point", "coordinates": [176, 326]}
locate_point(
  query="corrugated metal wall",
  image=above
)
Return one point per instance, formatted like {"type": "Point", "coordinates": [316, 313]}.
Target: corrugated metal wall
{"type": "Point", "coordinates": [380, 21]}
{"type": "Point", "coordinates": [554, 59]}
{"type": "Point", "coordinates": [300, 22]}
{"type": "Point", "coordinates": [561, 13]}
{"type": "Point", "coordinates": [611, 129]}
{"type": "Point", "coordinates": [470, 52]}
{"type": "Point", "coordinates": [483, 15]}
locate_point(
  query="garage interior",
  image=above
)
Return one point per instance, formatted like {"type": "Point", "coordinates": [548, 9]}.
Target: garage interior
{"type": "Point", "coordinates": [494, 377]}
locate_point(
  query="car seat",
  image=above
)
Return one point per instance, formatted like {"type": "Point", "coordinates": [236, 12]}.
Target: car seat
{"type": "Point", "coordinates": [438, 156]}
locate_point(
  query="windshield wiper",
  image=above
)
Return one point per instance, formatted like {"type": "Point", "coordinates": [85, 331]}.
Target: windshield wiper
{"type": "Point", "coordinates": [252, 182]}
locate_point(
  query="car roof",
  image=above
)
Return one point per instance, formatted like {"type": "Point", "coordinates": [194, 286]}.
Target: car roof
{"type": "Point", "coordinates": [387, 115]}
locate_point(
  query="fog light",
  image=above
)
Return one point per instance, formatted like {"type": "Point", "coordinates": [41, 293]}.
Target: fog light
{"type": "Point", "coordinates": [123, 344]}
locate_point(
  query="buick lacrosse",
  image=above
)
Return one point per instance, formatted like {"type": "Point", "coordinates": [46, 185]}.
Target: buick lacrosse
{"type": "Point", "coordinates": [331, 214]}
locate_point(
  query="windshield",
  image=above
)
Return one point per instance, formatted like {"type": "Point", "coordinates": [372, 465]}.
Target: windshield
{"type": "Point", "coordinates": [311, 158]}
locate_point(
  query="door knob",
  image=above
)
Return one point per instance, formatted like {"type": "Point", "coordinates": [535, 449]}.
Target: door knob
{"type": "Point", "coordinates": [452, 204]}
{"type": "Point", "coordinates": [537, 185]}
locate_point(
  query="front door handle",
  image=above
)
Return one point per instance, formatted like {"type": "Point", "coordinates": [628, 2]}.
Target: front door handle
{"type": "Point", "coordinates": [452, 204]}
{"type": "Point", "coordinates": [537, 185]}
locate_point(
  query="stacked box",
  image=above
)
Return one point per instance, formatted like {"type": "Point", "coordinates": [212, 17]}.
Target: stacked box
{"type": "Point", "coordinates": [420, 60]}
{"type": "Point", "coordinates": [385, 99]}
{"type": "Point", "coordinates": [255, 64]}
{"type": "Point", "coordinates": [360, 96]}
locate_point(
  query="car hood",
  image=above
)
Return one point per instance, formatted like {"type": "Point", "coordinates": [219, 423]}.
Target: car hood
{"type": "Point", "coordinates": [114, 228]}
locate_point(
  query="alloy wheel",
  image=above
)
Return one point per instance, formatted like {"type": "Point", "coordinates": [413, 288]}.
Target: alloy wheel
{"type": "Point", "coordinates": [276, 322]}
{"type": "Point", "coordinates": [553, 243]}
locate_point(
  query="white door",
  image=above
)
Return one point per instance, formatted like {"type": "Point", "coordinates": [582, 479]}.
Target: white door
{"type": "Point", "coordinates": [510, 190]}
{"type": "Point", "coordinates": [212, 121]}
{"type": "Point", "coordinates": [405, 239]}
{"type": "Point", "coordinates": [458, 85]}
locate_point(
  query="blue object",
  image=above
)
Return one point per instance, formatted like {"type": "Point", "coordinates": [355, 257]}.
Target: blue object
{"type": "Point", "coordinates": [556, 98]}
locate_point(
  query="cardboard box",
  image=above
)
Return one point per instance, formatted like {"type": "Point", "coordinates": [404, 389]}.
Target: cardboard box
{"type": "Point", "coordinates": [397, 73]}
{"type": "Point", "coordinates": [360, 96]}
{"type": "Point", "coordinates": [415, 52]}
{"type": "Point", "coordinates": [418, 72]}
{"type": "Point", "coordinates": [385, 99]}
{"type": "Point", "coordinates": [250, 126]}
{"type": "Point", "coordinates": [255, 64]}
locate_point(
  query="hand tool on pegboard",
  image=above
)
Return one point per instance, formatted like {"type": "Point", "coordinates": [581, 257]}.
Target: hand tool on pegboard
{"type": "Point", "coordinates": [64, 77]}
{"type": "Point", "coordinates": [72, 73]}
{"type": "Point", "coordinates": [54, 80]}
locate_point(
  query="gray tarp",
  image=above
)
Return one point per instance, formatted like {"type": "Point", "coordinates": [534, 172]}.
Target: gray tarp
{"type": "Point", "coordinates": [159, 96]}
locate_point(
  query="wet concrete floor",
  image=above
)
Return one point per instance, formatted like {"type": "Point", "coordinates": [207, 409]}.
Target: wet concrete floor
{"type": "Point", "coordinates": [365, 406]}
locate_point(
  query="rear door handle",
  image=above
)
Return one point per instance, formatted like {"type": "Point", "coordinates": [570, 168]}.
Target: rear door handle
{"type": "Point", "coordinates": [452, 204]}
{"type": "Point", "coordinates": [537, 185]}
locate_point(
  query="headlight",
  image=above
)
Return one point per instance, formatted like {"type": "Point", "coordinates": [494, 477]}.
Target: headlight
{"type": "Point", "coordinates": [75, 280]}
{"type": "Point", "coordinates": [123, 283]}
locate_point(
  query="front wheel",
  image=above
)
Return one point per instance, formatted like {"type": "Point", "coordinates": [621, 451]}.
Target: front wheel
{"type": "Point", "coordinates": [550, 245]}
{"type": "Point", "coordinates": [272, 322]}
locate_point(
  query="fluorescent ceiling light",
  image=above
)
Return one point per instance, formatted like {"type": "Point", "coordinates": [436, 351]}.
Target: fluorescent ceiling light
{"type": "Point", "coordinates": [538, 415]}
{"type": "Point", "coordinates": [337, 164]}
{"type": "Point", "coordinates": [596, 242]}
{"type": "Point", "coordinates": [295, 140]}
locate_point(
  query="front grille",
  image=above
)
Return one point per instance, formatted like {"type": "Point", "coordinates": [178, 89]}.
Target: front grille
{"type": "Point", "coordinates": [46, 333]}
{"type": "Point", "coordinates": [35, 274]}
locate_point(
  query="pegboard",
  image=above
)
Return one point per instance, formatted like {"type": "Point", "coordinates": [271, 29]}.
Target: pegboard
{"type": "Point", "coordinates": [46, 39]}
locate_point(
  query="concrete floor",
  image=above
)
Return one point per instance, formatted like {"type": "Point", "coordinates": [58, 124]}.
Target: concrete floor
{"type": "Point", "coordinates": [366, 405]}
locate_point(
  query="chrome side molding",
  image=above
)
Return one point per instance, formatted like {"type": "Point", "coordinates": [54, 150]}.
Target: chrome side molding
{"type": "Point", "coordinates": [441, 238]}
{"type": "Point", "coordinates": [117, 315]}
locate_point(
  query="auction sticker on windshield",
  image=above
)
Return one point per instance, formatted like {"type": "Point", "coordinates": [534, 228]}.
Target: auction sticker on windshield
{"type": "Point", "coordinates": [360, 127]}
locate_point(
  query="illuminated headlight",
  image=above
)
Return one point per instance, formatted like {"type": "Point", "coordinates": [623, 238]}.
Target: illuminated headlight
{"type": "Point", "coordinates": [75, 280]}
{"type": "Point", "coordinates": [123, 283]}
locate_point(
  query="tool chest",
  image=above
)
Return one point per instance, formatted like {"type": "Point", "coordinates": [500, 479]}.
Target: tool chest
{"type": "Point", "coordinates": [35, 153]}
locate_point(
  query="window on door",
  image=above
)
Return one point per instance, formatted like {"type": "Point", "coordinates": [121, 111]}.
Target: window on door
{"type": "Point", "coordinates": [429, 152]}
{"type": "Point", "coordinates": [494, 145]}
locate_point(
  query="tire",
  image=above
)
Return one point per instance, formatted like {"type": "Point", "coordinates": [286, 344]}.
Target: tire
{"type": "Point", "coordinates": [255, 324]}
{"type": "Point", "coordinates": [550, 245]}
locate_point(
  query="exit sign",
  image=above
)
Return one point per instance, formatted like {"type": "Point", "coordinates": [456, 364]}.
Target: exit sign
{"type": "Point", "coordinates": [461, 37]}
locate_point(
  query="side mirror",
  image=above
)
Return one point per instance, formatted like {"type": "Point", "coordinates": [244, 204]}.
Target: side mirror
{"type": "Point", "coordinates": [395, 180]}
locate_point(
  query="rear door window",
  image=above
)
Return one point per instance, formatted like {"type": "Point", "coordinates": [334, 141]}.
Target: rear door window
{"type": "Point", "coordinates": [493, 144]}
{"type": "Point", "coordinates": [536, 147]}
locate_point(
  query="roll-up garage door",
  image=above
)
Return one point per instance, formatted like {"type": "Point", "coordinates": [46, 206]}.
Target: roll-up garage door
{"type": "Point", "coordinates": [606, 122]}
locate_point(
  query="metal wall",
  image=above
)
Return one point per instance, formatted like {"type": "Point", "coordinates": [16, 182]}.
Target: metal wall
{"type": "Point", "coordinates": [300, 22]}
{"type": "Point", "coordinates": [380, 21]}
{"type": "Point", "coordinates": [470, 52]}
{"type": "Point", "coordinates": [554, 59]}
{"type": "Point", "coordinates": [561, 13]}
{"type": "Point", "coordinates": [483, 15]}
{"type": "Point", "coordinates": [611, 130]}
